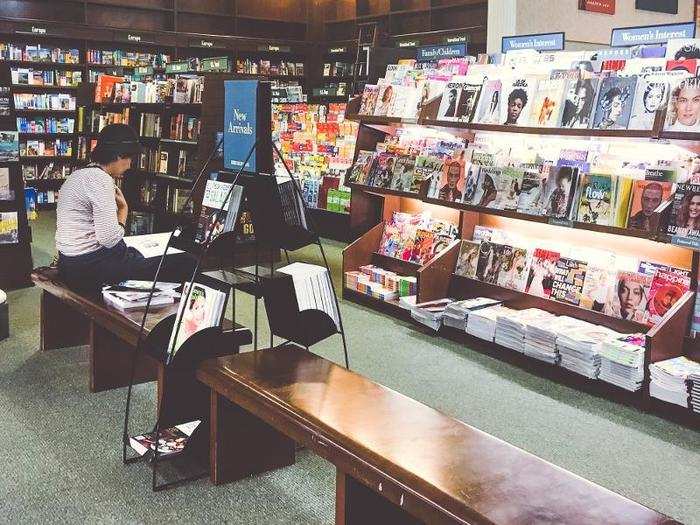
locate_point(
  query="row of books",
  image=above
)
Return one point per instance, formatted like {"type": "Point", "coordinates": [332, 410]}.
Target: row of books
{"type": "Point", "coordinates": [183, 89]}
{"type": "Point", "coordinates": [153, 192]}
{"type": "Point", "coordinates": [324, 193]}
{"type": "Point", "coordinates": [153, 160]}
{"type": "Point", "coordinates": [185, 127]}
{"type": "Point", "coordinates": [250, 66]}
{"type": "Point", "coordinates": [616, 285]}
{"type": "Point", "coordinates": [119, 57]}
{"type": "Point", "coordinates": [415, 238]}
{"type": "Point", "coordinates": [9, 146]}
{"type": "Point", "coordinates": [45, 171]}
{"type": "Point", "coordinates": [55, 101]}
{"type": "Point", "coordinates": [149, 125]}
{"type": "Point", "coordinates": [46, 148]}
{"type": "Point", "coordinates": [381, 284]}
{"type": "Point", "coordinates": [676, 381]}
{"type": "Point", "coordinates": [45, 125]}
{"type": "Point", "coordinates": [6, 193]}
{"type": "Point", "coordinates": [564, 89]}
{"type": "Point", "coordinates": [337, 69]}
{"type": "Point", "coordinates": [100, 119]}
{"type": "Point", "coordinates": [38, 53]}
{"type": "Point", "coordinates": [46, 77]}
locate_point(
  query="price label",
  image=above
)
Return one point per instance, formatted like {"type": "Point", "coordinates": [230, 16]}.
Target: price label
{"type": "Point", "coordinates": [561, 221]}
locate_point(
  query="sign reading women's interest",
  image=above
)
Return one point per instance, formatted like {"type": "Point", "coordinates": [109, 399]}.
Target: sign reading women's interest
{"type": "Point", "coordinates": [240, 106]}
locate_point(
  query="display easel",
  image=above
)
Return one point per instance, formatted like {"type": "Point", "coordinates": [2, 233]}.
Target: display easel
{"type": "Point", "coordinates": [178, 404]}
{"type": "Point", "coordinates": [16, 258]}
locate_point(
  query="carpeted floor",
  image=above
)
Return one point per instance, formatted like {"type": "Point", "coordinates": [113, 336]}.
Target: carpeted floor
{"type": "Point", "coordinates": [60, 456]}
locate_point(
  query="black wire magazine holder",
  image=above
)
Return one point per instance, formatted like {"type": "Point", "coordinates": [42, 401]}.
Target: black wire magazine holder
{"type": "Point", "coordinates": [183, 404]}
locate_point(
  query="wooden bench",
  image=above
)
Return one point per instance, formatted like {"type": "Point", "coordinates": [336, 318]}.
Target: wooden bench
{"type": "Point", "coordinates": [398, 461]}
{"type": "Point", "coordinates": [70, 318]}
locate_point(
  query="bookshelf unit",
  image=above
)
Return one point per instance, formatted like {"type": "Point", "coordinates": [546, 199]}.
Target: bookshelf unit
{"type": "Point", "coordinates": [372, 206]}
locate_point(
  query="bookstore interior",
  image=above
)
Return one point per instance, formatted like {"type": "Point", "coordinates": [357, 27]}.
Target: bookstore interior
{"type": "Point", "coordinates": [353, 262]}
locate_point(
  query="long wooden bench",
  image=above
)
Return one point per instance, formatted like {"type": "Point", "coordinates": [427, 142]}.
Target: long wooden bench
{"type": "Point", "coordinates": [70, 318]}
{"type": "Point", "coordinates": [398, 461]}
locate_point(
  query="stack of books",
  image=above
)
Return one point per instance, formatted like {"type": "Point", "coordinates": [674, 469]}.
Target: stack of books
{"type": "Point", "coordinates": [578, 349]}
{"type": "Point", "coordinates": [510, 330]}
{"type": "Point", "coordinates": [669, 379]}
{"type": "Point", "coordinates": [133, 295]}
{"type": "Point", "coordinates": [457, 313]}
{"type": "Point", "coordinates": [622, 361]}
{"type": "Point", "coordinates": [482, 323]}
{"type": "Point", "coordinates": [430, 313]}
{"type": "Point", "coordinates": [541, 338]}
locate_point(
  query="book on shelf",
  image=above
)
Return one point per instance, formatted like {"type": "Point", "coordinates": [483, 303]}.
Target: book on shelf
{"type": "Point", "coordinates": [180, 197]}
{"type": "Point", "coordinates": [6, 191]}
{"type": "Point", "coordinates": [171, 441]}
{"type": "Point", "coordinates": [9, 227]}
{"type": "Point", "coordinates": [9, 146]}
{"type": "Point", "coordinates": [104, 87]}
{"type": "Point", "coordinates": [163, 162]}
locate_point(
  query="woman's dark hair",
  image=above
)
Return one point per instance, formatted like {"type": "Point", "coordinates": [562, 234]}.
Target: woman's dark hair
{"type": "Point", "coordinates": [518, 93]}
{"type": "Point", "coordinates": [115, 141]}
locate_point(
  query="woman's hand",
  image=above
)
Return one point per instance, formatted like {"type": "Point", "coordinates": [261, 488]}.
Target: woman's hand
{"type": "Point", "coordinates": [122, 206]}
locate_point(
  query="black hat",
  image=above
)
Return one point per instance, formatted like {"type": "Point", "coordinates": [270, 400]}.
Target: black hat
{"type": "Point", "coordinates": [119, 139]}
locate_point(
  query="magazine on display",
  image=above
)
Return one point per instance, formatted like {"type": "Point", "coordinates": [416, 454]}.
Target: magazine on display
{"type": "Point", "coordinates": [559, 191]}
{"type": "Point", "coordinates": [547, 103]}
{"type": "Point", "coordinates": [9, 227]}
{"type": "Point", "coordinates": [683, 112]}
{"type": "Point", "coordinates": [450, 101]}
{"type": "Point", "coordinates": [682, 48]}
{"type": "Point", "coordinates": [517, 101]}
{"type": "Point", "coordinates": [486, 191]}
{"type": "Point", "coordinates": [667, 287]}
{"type": "Point", "coordinates": [531, 192]}
{"type": "Point", "coordinates": [651, 96]}
{"type": "Point", "coordinates": [515, 269]}
{"type": "Point", "coordinates": [489, 108]}
{"type": "Point", "coordinates": [687, 65]}
{"type": "Point", "coordinates": [427, 168]}
{"type": "Point", "coordinates": [216, 217]}
{"type": "Point", "coordinates": [647, 196]}
{"type": "Point", "coordinates": [171, 441]}
{"type": "Point", "coordinates": [509, 187]}
{"type": "Point", "coordinates": [468, 99]}
{"type": "Point", "coordinates": [6, 194]}
{"type": "Point", "coordinates": [369, 99]}
{"type": "Point", "coordinates": [569, 277]}
{"type": "Point", "coordinates": [489, 262]}
{"type": "Point", "coordinates": [595, 286]}
{"type": "Point", "coordinates": [627, 296]}
{"type": "Point", "coordinates": [382, 170]}
{"type": "Point", "coordinates": [385, 100]}
{"type": "Point", "coordinates": [579, 103]}
{"type": "Point", "coordinates": [360, 171]}
{"type": "Point", "coordinates": [685, 215]}
{"type": "Point", "coordinates": [614, 102]}
{"type": "Point", "coordinates": [403, 174]}
{"type": "Point", "coordinates": [597, 196]}
{"type": "Point", "coordinates": [451, 186]}
{"type": "Point", "coordinates": [467, 259]}
{"type": "Point", "coordinates": [9, 146]}
{"type": "Point", "coordinates": [542, 271]}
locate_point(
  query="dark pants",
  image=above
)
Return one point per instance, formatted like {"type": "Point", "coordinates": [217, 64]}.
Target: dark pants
{"type": "Point", "coordinates": [91, 271]}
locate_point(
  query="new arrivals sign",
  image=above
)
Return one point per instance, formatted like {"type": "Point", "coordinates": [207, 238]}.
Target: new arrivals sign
{"type": "Point", "coordinates": [240, 115]}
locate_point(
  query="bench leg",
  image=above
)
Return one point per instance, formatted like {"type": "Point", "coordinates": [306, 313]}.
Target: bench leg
{"type": "Point", "coordinates": [61, 326]}
{"type": "Point", "coordinates": [110, 362]}
{"type": "Point", "coordinates": [356, 504]}
{"type": "Point", "coordinates": [241, 444]}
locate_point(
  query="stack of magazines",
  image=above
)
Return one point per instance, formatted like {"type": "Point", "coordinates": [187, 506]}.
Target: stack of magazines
{"type": "Point", "coordinates": [694, 379]}
{"type": "Point", "coordinates": [541, 338]}
{"type": "Point", "coordinates": [482, 323]}
{"type": "Point", "coordinates": [171, 441]}
{"type": "Point", "coordinates": [313, 288]}
{"type": "Point", "coordinates": [456, 313]}
{"type": "Point", "coordinates": [431, 313]}
{"type": "Point", "coordinates": [622, 361]}
{"type": "Point", "coordinates": [133, 295]}
{"type": "Point", "coordinates": [669, 379]}
{"type": "Point", "coordinates": [579, 349]}
{"type": "Point", "coordinates": [510, 330]}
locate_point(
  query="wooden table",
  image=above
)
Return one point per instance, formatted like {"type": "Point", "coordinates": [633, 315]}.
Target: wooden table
{"type": "Point", "coordinates": [70, 318]}
{"type": "Point", "coordinates": [398, 461]}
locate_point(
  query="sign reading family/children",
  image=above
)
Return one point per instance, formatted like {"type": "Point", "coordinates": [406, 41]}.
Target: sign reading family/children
{"type": "Point", "coordinates": [632, 36]}
{"type": "Point", "coordinates": [240, 106]}
{"type": "Point", "coordinates": [540, 42]}
{"type": "Point", "coordinates": [438, 52]}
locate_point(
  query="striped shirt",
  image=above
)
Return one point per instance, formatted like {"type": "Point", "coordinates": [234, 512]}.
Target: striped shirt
{"type": "Point", "coordinates": [86, 214]}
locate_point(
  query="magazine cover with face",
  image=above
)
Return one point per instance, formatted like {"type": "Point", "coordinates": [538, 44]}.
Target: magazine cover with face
{"type": "Point", "coordinates": [359, 173]}
{"type": "Point", "coordinates": [486, 192]}
{"type": "Point", "coordinates": [683, 113]}
{"type": "Point", "coordinates": [199, 309]}
{"type": "Point", "coordinates": [450, 101]}
{"type": "Point", "coordinates": [650, 97]}
{"type": "Point", "coordinates": [531, 192]}
{"type": "Point", "coordinates": [647, 195]}
{"type": "Point", "coordinates": [509, 186]}
{"type": "Point", "coordinates": [514, 107]}
{"type": "Point", "coordinates": [628, 296]}
{"type": "Point", "coordinates": [467, 259]}
{"type": "Point", "coordinates": [579, 102]}
{"type": "Point", "coordinates": [685, 215]}
{"type": "Point", "coordinates": [402, 177]}
{"type": "Point", "coordinates": [559, 191]}
{"type": "Point", "coordinates": [489, 108]}
{"type": "Point", "coordinates": [452, 181]}
{"type": "Point", "coordinates": [382, 170]}
{"type": "Point", "coordinates": [595, 205]}
{"type": "Point", "coordinates": [666, 288]}
{"type": "Point", "coordinates": [614, 103]}
{"type": "Point", "coordinates": [515, 268]}
{"type": "Point", "coordinates": [682, 48]}
{"type": "Point", "coordinates": [369, 99]}
{"type": "Point", "coordinates": [542, 270]}
{"type": "Point", "coordinates": [547, 104]}
{"type": "Point", "coordinates": [385, 100]}
{"type": "Point", "coordinates": [468, 99]}
{"type": "Point", "coordinates": [489, 263]}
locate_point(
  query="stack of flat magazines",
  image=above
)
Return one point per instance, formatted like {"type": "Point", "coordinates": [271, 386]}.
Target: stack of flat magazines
{"type": "Point", "coordinates": [133, 295]}
{"type": "Point", "coordinates": [313, 289]}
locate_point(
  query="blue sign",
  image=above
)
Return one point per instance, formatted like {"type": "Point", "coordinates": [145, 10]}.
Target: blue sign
{"type": "Point", "coordinates": [541, 42]}
{"type": "Point", "coordinates": [240, 106]}
{"type": "Point", "coordinates": [633, 36]}
{"type": "Point", "coordinates": [439, 52]}
{"type": "Point", "coordinates": [686, 242]}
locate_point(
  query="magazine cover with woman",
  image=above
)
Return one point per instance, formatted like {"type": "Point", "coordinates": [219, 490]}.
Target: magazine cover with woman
{"type": "Point", "coordinates": [685, 215]}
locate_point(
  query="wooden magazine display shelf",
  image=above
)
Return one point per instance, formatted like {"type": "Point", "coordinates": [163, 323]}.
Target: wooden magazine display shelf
{"type": "Point", "coordinates": [436, 279]}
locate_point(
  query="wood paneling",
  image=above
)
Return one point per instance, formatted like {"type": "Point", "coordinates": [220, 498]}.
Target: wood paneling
{"type": "Point", "coordinates": [128, 18]}
{"type": "Point", "coordinates": [60, 11]}
{"type": "Point", "coordinates": [292, 10]}
{"type": "Point", "coordinates": [227, 7]}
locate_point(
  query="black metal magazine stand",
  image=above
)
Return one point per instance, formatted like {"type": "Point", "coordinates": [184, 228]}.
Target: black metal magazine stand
{"type": "Point", "coordinates": [277, 226]}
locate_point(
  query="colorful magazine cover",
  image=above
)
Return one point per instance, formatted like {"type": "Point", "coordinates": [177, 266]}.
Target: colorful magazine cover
{"type": "Point", "coordinates": [382, 170]}
{"type": "Point", "coordinates": [627, 297]}
{"type": "Point", "coordinates": [542, 270]}
{"type": "Point", "coordinates": [385, 100]}
{"type": "Point", "coordinates": [667, 288]}
{"type": "Point", "coordinates": [569, 277]}
{"type": "Point", "coordinates": [579, 103]}
{"type": "Point", "coordinates": [403, 174]}
{"type": "Point", "coordinates": [510, 184]}
{"type": "Point", "coordinates": [595, 205]}
{"type": "Point", "coordinates": [683, 113]}
{"type": "Point", "coordinates": [489, 108]}
{"type": "Point", "coordinates": [422, 246]}
{"type": "Point", "coordinates": [518, 93]}
{"type": "Point", "coordinates": [467, 259]}
{"type": "Point", "coordinates": [650, 97]}
{"type": "Point", "coordinates": [595, 286]}
{"type": "Point", "coordinates": [486, 192]}
{"type": "Point", "coordinates": [427, 168]}
{"type": "Point", "coordinates": [515, 269]}
{"type": "Point", "coordinates": [647, 196]}
{"type": "Point", "coordinates": [9, 146]}
{"type": "Point", "coordinates": [685, 215]}
{"type": "Point", "coordinates": [547, 104]}
{"type": "Point", "coordinates": [9, 227]}
{"type": "Point", "coordinates": [359, 173]}
{"type": "Point", "coordinates": [452, 181]}
{"type": "Point", "coordinates": [559, 191]}
{"type": "Point", "coordinates": [614, 102]}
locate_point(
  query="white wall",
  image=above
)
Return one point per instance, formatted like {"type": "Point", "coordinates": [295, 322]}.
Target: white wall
{"type": "Point", "coordinates": [548, 16]}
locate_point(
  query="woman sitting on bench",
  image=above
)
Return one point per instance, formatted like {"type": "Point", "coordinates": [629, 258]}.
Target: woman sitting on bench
{"type": "Point", "coordinates": [91, 218]}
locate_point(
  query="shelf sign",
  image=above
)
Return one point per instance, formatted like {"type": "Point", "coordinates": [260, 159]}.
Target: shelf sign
{"type": "Point", "coordinates": [200, 42]}
{"type": "Point", "coordinates": [561, 221]}
{"type": "Point", "coordinates": [34, 29]}
{"type": "Point", "coordinates": [660, 34]}
{"type": "Point", "coordinates": [143, 70]}
{"type": "Point", "coordinates": [125, 36]}
{"type": "Point", "coordinates": [597, 6]}
{"type": "Point", "coordinates": [456, 39]}
{"type": "Point", "coordinates": [325, 92]}
{"type": "Point", "coordinates": [240, 120]}
{"type": "Point", "coordinates": [438, 52]}
{"type": "Point", "coordinates": [539, 42]}
{"type": "Point", "coordinates": [271, 47]}
{"type": "Point", "coordinates": [409, 43]}
{"type": "Point", "coordinates": [335, 50]}
{"type": "Point", "coordinates": [177, 67]}
{"type": "Point", "coordinates": [219, 64]}
{"type": "Point", "coordinates": [686, 242]}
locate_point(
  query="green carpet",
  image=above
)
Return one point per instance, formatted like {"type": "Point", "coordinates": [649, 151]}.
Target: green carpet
{"type": "Point", "coordinates": [61, 457]}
